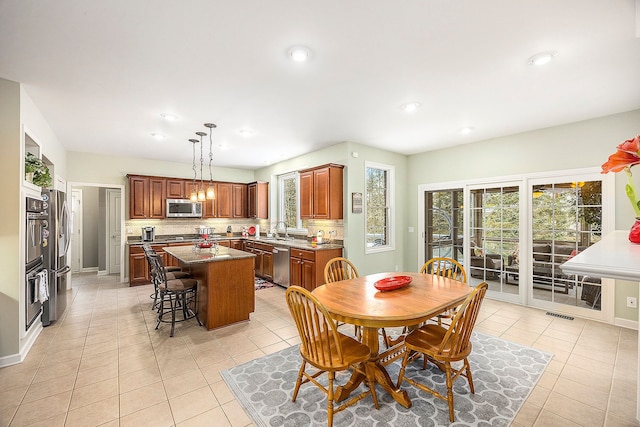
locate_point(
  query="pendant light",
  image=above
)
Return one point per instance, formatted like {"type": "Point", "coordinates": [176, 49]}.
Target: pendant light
{"type": "Point", "coordinates": [201, 194]}
{"type": "Point", "coordinates": [194, 191]}
{"type": "Point", "coordinates": [211, 194]}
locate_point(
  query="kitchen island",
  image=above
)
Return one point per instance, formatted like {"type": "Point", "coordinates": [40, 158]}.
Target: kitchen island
{"type": "Point", "coordinates": [226, 290]}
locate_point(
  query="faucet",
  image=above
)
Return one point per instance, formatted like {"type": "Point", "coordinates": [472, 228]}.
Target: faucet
{"type": "Point", "coordinates": [286, 230]}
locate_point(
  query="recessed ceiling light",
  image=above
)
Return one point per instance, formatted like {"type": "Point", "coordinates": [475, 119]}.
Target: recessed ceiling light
{"type": "Point", "coordinates": [410, 107]}
{"type": "Point", "coordinates": [158, 136]}
{"type": "Point", "coordinates": [169, 117]}
{"type": "Point", "coordinates": [542, 58]}
{"type": "Point", "coordinates": [299, 53]}
{"type": "Point", "coordinates": [245, 132]}
{"type": "Point", "coordinates": [466, 130]}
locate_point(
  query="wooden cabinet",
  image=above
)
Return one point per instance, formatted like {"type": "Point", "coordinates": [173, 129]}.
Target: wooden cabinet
{"type": "Point", "coordinates": [321, 194]}
{"type": "Point", "coordinates": [177, 188]}
{"type": "Point", "coordinates": [239, 198]}
{"type": "Point", "coordinates": [224, 200]}
{"type": "Point", "coordinates": [263, 260]}
{"type": "Point", "coordinates": [157, 197]}
{"type": "Point", "coordinates": [236, 244]}
{"type": "Point", "coordinates": [306, 268]}
{"type": "Point", "coordinates": [139, 267]}
{"type": "Point", "coordinates": [302, 268]}
{"type": "Point", "coordinates": [147, 197]}
{"type": "Point", "coordinates": [221, 206]}
{"type": "Point", "coordinates": [258, 200]}
{"type": "Point", "coordinates": [138, 197]}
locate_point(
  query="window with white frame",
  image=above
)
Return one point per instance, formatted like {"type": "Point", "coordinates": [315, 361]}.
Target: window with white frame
{"type": "Point", "coordinates": [289, 200]}
{"type": "Point", "coordinates": [379, 211]}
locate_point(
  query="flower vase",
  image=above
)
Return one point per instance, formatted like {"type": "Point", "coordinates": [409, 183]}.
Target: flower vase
{"type": "Point", "coordinates": [634, 233]}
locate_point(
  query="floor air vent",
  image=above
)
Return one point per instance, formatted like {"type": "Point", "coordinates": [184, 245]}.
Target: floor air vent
{"type": "Point", "coordinates": [562, 316]}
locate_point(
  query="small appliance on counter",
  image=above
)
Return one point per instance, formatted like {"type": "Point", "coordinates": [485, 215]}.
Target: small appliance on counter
{"type": "Point", "coordinates": [320, 237]}
{"type": "Point", "coordinates": [148, 234]}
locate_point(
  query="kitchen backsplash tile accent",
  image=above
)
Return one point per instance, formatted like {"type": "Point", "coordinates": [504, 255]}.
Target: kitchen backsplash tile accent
{"type": "Point", "coordinates": [333, 229]}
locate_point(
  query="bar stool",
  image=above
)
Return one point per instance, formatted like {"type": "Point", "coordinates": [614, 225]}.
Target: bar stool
{"type": "Point", "coordinates": [173, 272]}
{"type": "Point", "coordinates": [175, 295]}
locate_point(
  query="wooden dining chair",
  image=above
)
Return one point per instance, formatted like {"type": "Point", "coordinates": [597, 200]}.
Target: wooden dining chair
{"type": "Point", "coordinates": [442, 346]}
{"type": "Point", "coordinates": [340, 268]}
{"type": "Point", "coordinates": [445, 267]}
{"type": "Point", "coordinates": [326, 349]}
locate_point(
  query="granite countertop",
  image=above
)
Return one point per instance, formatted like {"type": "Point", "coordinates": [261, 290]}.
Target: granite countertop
{"type": "Point", "coordinates": [191, 255]}
{"type": "Point", "coordinates": [293, 243]}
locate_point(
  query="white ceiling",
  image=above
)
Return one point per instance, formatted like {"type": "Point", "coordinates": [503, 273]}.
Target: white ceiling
{"type": "Point", "coordinates": [103, 71]}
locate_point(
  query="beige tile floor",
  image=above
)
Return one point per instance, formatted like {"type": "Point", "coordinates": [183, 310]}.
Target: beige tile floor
{"type": "Point", "coordinates": [105, 364]}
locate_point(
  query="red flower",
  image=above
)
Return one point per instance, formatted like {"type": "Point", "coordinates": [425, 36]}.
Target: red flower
{"type": "Point", "coordinates": [620, 160]}
{"type": "Point", "coordinates": [631, 146]}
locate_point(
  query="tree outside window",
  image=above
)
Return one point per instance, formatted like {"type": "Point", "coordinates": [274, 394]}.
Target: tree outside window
{"type": "Point", "coordinates": [379, 188]}
{"type": "Point", "coordinates": [289, 211]}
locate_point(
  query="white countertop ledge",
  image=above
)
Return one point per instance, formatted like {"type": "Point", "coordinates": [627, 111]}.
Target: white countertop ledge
{"type": "Point", "coordinates": [612, 257]}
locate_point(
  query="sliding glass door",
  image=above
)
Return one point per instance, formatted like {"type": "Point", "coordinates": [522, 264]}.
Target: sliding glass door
{"type": "Point", "coordinates": [566, 218]}
{"type": "Point", "coordinates": [515, 234]}
{"type": "Point", "coordinates": [444, 221]}
{"type": "Point", "coordinates": [494, 236]}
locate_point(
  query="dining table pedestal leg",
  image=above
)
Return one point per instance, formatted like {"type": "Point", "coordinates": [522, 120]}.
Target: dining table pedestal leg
{"type": "Point", "coordinates": [376, 364]}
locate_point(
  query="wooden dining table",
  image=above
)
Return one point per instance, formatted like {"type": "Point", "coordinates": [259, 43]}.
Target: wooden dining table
{"type": "Point", "coordinates": [357, 302]}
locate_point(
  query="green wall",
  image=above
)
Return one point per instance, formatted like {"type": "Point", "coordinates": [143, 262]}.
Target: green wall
{"type": "Point", "coordinates": [576, 145]}
{"type": "Point", "coordinates": [353, 224]}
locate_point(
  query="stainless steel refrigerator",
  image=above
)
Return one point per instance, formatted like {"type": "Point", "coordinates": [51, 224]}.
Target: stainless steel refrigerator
{"type": "Point", "coordinates": [56, 259]}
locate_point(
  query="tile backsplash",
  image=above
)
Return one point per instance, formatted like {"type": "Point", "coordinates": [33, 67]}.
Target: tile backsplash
{"type": "Point", "coordinates": [182, 226]}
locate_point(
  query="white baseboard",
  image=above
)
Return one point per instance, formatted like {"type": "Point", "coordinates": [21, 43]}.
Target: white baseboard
{"type": "Point", "coordinates": [89, 270]}
{"type": "Point", "coordinates": [14, 359]}
{"type": "Point", "coordinates": [626, 323]}
{"type": "Point", "coordinates": [103, 273]}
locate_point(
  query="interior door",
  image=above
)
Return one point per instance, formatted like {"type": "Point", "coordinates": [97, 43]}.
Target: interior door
{"type": "Point", "coordinates": [114, 230]}
{"type": "Point", "coordinates": [76, 230]}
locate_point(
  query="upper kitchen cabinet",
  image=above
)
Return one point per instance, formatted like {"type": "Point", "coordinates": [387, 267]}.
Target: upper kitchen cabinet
{"type": "Point", "coordinates": [177, 188]}
{"type": "Point", "coordinates": [146, 197]}
{"type": "Point", "coordinates": [221, 206]}
{"type": "Point", "coordinates": [138, 197]}
{"type": "Point", "coordinates": [239, 208]}
{"type": "Point", "coordinates": [321, 192]}
{"type": "Point", "coordinates": [258, 200]}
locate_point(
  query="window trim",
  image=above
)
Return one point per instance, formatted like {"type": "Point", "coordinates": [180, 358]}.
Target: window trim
{"type": "Point", "coordinates": [391, 229]}
{"type": "Point", "coordinates": [280, 215]}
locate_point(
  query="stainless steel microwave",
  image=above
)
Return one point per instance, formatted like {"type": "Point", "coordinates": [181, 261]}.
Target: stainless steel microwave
{"type": "Point", "coordinates": [183, 208]}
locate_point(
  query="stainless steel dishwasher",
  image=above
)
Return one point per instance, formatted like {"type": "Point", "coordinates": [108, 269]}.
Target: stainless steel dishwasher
{"type": "Point", "coordinates": [281, 266]}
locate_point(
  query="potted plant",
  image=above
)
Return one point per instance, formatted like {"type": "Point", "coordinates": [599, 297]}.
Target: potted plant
{"type": "Point", "coordinates": [36, 171]}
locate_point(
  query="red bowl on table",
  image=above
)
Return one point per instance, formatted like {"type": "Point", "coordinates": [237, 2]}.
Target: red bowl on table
{"type": "Point", "coordinates": [392, 283]}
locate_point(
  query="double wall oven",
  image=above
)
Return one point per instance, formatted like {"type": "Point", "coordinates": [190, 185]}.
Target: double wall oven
{"type": "Point", "coordinates": [35, 272]}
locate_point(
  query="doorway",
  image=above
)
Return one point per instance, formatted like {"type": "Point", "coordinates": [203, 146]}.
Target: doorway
{"type": "Point", "coordinates": [103, 244]}
{"type": "Point", "coordinates": [76, 230]}
{"type": "Point", "coordinates": [114, 230]}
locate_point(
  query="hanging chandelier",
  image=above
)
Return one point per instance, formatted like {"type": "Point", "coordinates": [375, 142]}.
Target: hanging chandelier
{"type": "Point", "coordinates": [198, 192]}
{"type": "Point", "coordinates": [211, 194]}
{"type": "Point", "coordinates": [194, 190]}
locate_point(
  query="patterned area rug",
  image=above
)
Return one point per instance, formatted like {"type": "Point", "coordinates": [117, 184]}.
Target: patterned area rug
{"type": "Point", "coordinates": [504, 373]}
{"type": "Point", "coordinates": [263, 284]}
